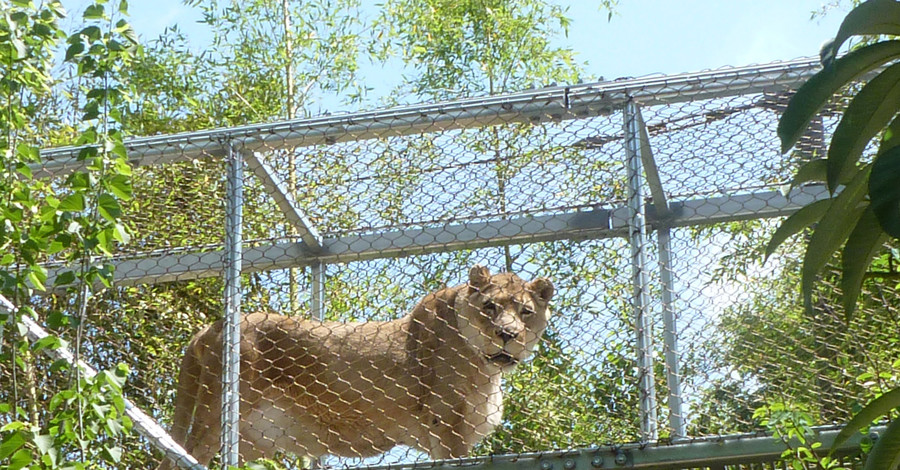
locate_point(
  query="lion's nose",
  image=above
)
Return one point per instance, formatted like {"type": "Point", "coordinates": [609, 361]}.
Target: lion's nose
{"type": "Point", "coordinates": [507, 334]}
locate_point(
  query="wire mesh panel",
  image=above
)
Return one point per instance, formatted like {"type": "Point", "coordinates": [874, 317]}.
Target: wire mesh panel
{"type": "Point", "coordinates": [517, 275]}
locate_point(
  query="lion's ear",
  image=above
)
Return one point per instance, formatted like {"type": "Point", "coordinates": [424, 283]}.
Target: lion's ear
{"type": "Point", "coordinates": [479, 277]}
{"type": "Point", "coordinates": [542, 288]}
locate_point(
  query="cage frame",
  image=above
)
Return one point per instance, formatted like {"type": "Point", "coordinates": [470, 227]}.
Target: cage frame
{"type": "Point", "coordinates": [239, 146]}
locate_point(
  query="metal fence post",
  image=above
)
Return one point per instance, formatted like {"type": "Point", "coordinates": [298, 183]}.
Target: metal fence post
{"type": "Point", "coordinates": [637, 230]}
{"type": "Point", "coordinates": [317, 294]}
{"type": "Point", "coordinates": [670, 335]}
{"type": "Point", "coordinates": [664, 246]}
{"type": "Point", "coordinates": [231, 357]}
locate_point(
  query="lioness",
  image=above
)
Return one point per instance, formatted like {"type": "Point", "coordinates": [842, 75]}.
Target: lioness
{"type": "Point", "coordinates": [429, 380]}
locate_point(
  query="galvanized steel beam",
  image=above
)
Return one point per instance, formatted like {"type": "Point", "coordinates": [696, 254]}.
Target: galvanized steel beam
{"type": "Point", "coordinates": [545, 104]}
{"type": "Point", "coordinates": [183, 265]}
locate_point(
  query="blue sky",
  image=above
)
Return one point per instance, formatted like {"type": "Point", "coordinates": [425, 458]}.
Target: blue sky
{"type": "Point", "coordinates": [644, 37]}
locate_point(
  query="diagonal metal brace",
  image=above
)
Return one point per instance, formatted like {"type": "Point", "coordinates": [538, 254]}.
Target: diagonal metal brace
{"type": "Point", "coordinates": [279, 191]}
{"type": "Point", "coordinates": [651, 171]}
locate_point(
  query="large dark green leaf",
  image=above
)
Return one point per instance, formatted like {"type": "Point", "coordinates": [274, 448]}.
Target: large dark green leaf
{"type": "Point", "coordinates": [833, 230]}
{"type": "Point", "coordinates": [801, 219]}
{"type": "Point", "coordinates": [874, 410]}
{"type": "Point", "coordinates": [886, 451]}
{"type": "Point", "coordinates": [821, 87]}
{"type": "Point", "coordinates": [869, 18]}
{"type": "Point", "coordinates": [869, 112]}
{"type": "Point", "coordinates": [864, 243]}
{"type": "Point", "coordinates": [884, 190]}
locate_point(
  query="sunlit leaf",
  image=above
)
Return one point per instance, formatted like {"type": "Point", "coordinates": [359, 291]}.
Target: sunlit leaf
{"type": "Point", "coordinates": [37, 278]}
{"type": "Point", "coordinates": [43, 442]}
{"type": "Point", "coordinates": [833, 229]}
{"type": "Point", "coordinates": [10, 444]}
{"type": "Point", "coordinates": [18, 48]}
{"type": "Point", "coordinates": [72, 203]}
{"type": "Point", "coordinates": [20, 460]}
{"type": "Point", "coordinates": [821, 87]}
{"type": "Point", "coordinates": [874, 410]}
{"type": "Point", "coordinates": [868, 113]}
{"type": "Point", "coordinates": [885, 454]}
{"type": "Point", "coordinates": [120, 185]}
{"type": "Point", "coordinates": [109, 207]}
{"type": "Point", "coordinates": [798, 221]}
{"type": "Point", "coordinates": [872, 17]}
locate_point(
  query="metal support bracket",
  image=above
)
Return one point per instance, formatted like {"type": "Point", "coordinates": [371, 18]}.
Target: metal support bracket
{"type": "Point", "coordinates": [662, 212]}
{"type": "Point", "coordinates": [637, 236]}
{"type": "Point", "coordinates": [286, 202]}
{"type": "Point", "coordinates": [231, 334]}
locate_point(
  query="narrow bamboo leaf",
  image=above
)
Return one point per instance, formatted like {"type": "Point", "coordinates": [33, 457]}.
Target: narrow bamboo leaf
{"type": "Point", "coordinates": [872, 17]}
{"type": "Point", "coordinates": [868, 113]}
{"type": "Point", "coordinates": [811, 171]}
{"type": "Point", "coordinates": [821, 87]}
{"type": "Point", "coordinates": [886, 451]}
{"type": "Point", "coordinates": [833, 230]}
{"type": "Point", "coordinates": [884, 190]}
{"type": "Point", "coordinates": [864, 243]}
{"type": "Point", "coordinates": [801, 219]}
{"type": "Point", "coordinates": [874, 410]}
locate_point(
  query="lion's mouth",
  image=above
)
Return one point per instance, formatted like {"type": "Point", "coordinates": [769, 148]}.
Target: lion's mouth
{"type": "Point", "coordinates": [502, 358]}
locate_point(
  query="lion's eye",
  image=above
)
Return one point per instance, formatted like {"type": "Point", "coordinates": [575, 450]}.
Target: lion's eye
{"type": "Point", "coordinates": [526, 312]}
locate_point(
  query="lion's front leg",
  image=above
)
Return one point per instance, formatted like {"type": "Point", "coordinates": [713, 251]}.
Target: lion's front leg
{"type": "Point", "coordinates": [449, 435]}
{"type": "Point", "coordinates": [447, 441]}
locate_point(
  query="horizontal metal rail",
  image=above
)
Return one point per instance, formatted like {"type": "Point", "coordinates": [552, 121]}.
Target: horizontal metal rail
{"type": "Point", "coordinates": [552, 103]}
{"type": "Point", "coordinates": [589, 224]}
{"type": "Point", "coordinates": [709, 452]}
{"type": "Point", "coordinates": [166, 267]}
{"type": "Point", "coordinates": [714, 210]}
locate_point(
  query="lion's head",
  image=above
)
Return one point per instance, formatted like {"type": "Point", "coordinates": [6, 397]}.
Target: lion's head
{"type": "Point", "coordinates": [502, 316]}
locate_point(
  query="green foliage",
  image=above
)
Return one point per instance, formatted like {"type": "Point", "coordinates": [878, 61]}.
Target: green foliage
{"type": "Point", "coordinates": [875, 106]}
{"type": "Point", "coordinates": [75, 220]}
{"type": "Point", "coordinates": [791, 423]}
{"type": "Point", "coordinates": [462, 48]}
{"type": "Point", "coordinates": [865, 212]}
{"type": "Point", "coordinates": [877, 408]}
{"type": "Point", "coordinates": [120, 90]}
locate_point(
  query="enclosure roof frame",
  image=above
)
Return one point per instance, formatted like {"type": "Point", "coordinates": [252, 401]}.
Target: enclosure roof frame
{"type": "Point", "coordinates": [545, 104]}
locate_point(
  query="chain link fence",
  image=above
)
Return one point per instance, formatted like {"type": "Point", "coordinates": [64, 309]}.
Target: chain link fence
{"type": "Point", "coordinates": [646, 203]}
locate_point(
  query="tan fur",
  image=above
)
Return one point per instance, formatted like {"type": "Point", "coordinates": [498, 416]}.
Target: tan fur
{"type": "Point", "coordinates": [429, 380]}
